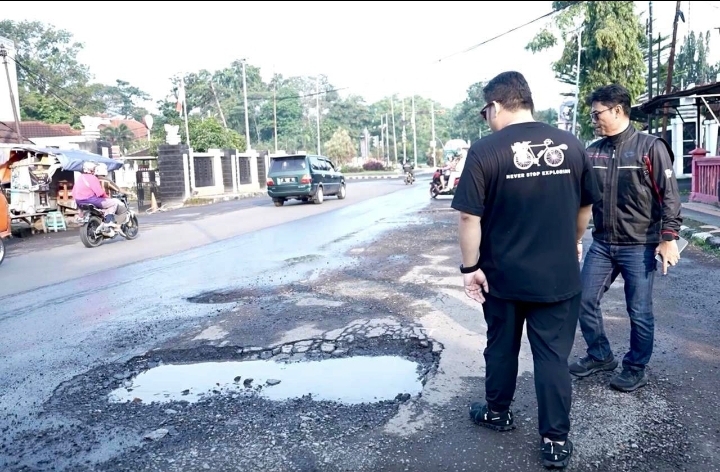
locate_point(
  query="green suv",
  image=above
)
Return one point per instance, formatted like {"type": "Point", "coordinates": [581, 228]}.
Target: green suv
{"type": "Point", "coordinates": [303, 177]}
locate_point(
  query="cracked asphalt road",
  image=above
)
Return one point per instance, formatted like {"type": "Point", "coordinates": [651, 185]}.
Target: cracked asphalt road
{"type": "Point", "coordinates": [388, 288]}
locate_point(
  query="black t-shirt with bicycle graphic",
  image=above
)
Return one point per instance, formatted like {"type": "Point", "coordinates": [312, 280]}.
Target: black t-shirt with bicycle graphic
{"type": "Point", "coordinates": [527, 183]}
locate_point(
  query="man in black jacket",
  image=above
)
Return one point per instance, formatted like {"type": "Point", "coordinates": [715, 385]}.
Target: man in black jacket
{"type": "Point", "coordinates": [637, 219]}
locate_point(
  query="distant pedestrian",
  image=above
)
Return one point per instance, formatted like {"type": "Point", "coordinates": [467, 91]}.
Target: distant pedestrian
{"type": "Point", "coordinates": [637, 218]}
{"type": "Point", "coordinates": [525, 199]}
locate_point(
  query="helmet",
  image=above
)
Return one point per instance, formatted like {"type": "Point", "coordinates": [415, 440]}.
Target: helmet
{"type": "Point", "coordinates": [101, 169]}
{"type": "Point", "coordinates": [88, 167]}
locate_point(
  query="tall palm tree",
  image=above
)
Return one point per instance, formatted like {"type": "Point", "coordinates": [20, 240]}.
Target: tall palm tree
{"type": "Point", "coordinates": [119, 135]}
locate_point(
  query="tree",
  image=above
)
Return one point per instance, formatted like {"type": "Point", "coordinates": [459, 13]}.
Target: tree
{"type": "Point", "coordinates": [121, 135]}
{"type": "Point", "coordinates": [122, 99]}
{"type": "Point", "coordinates": [660, 51]}
{"type": "Point", "coordinates": [292, 101]}
{"type": "Point", "coordinates": [52, 83]}
{"type": "Point", "coordinates": [612, 38]}
{"type": "Point", "coordinates": [549, 116]}
{"type": "Point", "coordinates": [209, 133]}
{"type": "Point", "coordinates": [691, 63]}
{"type": "Point", "coordinates": [205, 133]}
{"type": "Point", "coordinates": [340, 147]}
{"type": "Point", "coordinates": [469, 123]}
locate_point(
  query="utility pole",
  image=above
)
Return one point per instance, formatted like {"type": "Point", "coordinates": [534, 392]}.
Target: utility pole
{"type": "Point", "coordinates": [275, 113]}
{"type": "Point", "coordinates": [671, 64]}
{"type": "Point", "coordinates": [382, 137]}
{"type": "Point", "coordinates": [317, 106]}
{"type": "Point", "coordinates": [404, 135]}
{"type": "Point", "coordinates": [392, 112]}
{"type": "Point", "coordinates": [414, 129]}
{"type": "Point", "coordinates": [432, 129]}
{"type": "Point", "coordinates": [650, 60]}
{"type": "Point", "coordinates": [658, 68]}
{"type": "Point", "coordinates": [247, 119]}
{"type": "Point", "coordinates": [3, 54]}
{"type": "Point", "coordinates": [217, 102]}
{"type": "Point", "coordinates": [577, 82]}
{"type": "Point", "coordinates": [387, 137]}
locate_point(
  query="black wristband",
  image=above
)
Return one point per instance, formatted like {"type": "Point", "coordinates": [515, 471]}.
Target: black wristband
{"type": "Point", "coordinates": [469, 270]}
{"type": "Point", "coordinates": [669, 236]}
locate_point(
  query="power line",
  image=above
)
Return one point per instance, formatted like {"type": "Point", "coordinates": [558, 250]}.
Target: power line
{"type": "Point", "coordinates": [49, 90]}
{"type": "Point", "coordinates": [482, 43]}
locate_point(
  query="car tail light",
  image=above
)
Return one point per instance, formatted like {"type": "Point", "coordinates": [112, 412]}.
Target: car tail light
{"type": "Point", "coordinates": [270, 182]}
{"type": "Point", "coordinates": [305, 179]}
{"type": "Point", "coordinates": [457, 181]}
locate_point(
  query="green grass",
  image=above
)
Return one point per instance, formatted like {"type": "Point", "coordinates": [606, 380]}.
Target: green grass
{"type": "Point", "coordinates": [197, 201]}
{"type": "Point", "coordinates": [697, 225]}
{"type": "Point", "coordinates": [707, 248]}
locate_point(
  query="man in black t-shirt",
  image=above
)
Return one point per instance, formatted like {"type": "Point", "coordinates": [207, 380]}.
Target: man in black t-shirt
{"type": "Point", "coordinates": [525, 199]}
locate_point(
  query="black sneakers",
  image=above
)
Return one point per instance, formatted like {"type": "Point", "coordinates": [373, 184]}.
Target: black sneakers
{"type": "Point", "coordinates": [481, 414]}
{"type": "Point", "coordinates": [555, 455]}
{"type": "Point", "coordinates": [588, 366]}
{"type": "Point", "coordinates": [629, 380]}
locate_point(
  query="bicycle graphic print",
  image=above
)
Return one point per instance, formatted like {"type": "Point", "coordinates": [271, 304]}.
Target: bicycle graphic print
{"type": "Point", "coordinates": [524, 156]}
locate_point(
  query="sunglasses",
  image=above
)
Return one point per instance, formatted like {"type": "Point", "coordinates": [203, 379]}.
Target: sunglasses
{"type": "Point", "coordinates": [485, 109]}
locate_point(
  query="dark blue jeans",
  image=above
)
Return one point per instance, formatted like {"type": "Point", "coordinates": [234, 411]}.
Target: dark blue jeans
{"type": "Point", "coordinates": [637, 265]}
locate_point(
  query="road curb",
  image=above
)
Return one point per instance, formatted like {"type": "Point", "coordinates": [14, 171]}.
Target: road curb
{"type": "Point", "coordinates": [368, 177]}
{"type": "Point", "coordinates": [700, 235]}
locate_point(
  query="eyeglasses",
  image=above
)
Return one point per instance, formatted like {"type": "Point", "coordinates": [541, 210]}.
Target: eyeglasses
{"type": "Point", "coordinates": [484, 110]}
{"type": "Point", "coordinates": [594, 115]}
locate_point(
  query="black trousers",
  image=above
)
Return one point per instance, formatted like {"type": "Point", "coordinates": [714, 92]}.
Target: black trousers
{"type": "Point", "coordinates": [551, 332]}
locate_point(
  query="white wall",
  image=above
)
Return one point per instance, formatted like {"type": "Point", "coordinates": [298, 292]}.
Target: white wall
{"type": "Point", "coordinates": [6, 112]}
{"type": "Point", "coordinates": [63, 142]}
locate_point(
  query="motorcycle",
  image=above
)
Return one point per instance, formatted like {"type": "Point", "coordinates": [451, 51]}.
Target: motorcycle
{"type": "Point", "coordinates": [409, 176]}
{"type": "Point", "coordinates": [436, 188]}
{"type": "Point", "coordinates": [94, 230]}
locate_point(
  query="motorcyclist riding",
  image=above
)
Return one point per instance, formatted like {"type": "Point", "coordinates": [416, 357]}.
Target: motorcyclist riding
{"type": "Point", "coordinates": [408, 168]}
{"type": "Point", "coordinates": [445, 174]}
{"type": "Point", "coordinates": [87, 190]}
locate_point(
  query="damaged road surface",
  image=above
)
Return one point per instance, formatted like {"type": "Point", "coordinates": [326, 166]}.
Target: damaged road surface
{"type": "Point", "coordinates": [341, 342]}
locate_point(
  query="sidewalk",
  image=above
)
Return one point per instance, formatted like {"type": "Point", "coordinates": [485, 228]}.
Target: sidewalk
{"type": "Point", "coordinates": [701, 223]}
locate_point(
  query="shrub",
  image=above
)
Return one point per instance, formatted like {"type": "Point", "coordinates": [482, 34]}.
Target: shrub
{"type": "Point", "coordinates": [373, 165]}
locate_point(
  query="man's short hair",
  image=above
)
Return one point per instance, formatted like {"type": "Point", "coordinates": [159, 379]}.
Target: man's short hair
{"type": "Point", "coordinates": [511, 90]}
{"type": "Point", "coordinates": [611, 95]}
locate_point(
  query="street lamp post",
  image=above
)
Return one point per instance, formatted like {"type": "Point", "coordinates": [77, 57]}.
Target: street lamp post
{"type": "Point", "coordinates": [247, 119]}
{"type": "Point", "coordinates": [577, 82]}
{"type": "Point", "coordinates": [3, 54]}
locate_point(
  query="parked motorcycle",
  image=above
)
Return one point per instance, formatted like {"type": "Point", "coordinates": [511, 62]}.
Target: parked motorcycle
{"type": "Point", "coordinates": [409, 175]}
{"type": "Point", "coordinates": [94, 230]}
{"type": "Point", "coordinates": [436, 185]}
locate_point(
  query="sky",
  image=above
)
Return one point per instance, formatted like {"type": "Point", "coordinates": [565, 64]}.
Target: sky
{"type": "Point", "coordinates": [374, 49]}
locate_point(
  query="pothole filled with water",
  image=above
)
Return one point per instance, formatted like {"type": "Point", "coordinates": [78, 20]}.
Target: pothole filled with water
{"type": "Point", "coordinates": [349, 380]}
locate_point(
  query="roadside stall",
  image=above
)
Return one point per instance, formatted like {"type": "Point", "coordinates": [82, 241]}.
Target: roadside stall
{"type": "Point", "coordinates": [4, 225]}
{"type": "Point", "coordinates": [41, 181]}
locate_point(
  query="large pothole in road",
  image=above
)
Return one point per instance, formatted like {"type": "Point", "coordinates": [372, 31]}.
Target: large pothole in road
{"type": "Point", "coordinates": [365, 362]}
{"type": "Point", "coordinates": [350, 380]}
{"type": "Point", "coordinates": [335, 392]}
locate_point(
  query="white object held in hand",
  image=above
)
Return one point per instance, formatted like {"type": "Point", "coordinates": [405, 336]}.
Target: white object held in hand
{"type": "Point", "coordinates": [681, 243]}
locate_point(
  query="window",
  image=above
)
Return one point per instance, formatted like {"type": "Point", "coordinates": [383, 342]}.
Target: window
{"type": "Point", "coordinates": [288, 164]}
{"type": "Point", "coordinates": [319, 164]}
{"type": "Point", "coordinates": [330, 166]}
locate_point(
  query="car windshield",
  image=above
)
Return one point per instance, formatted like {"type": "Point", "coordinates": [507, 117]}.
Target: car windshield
{"type": "Point", "coordinates": [288, 164]}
